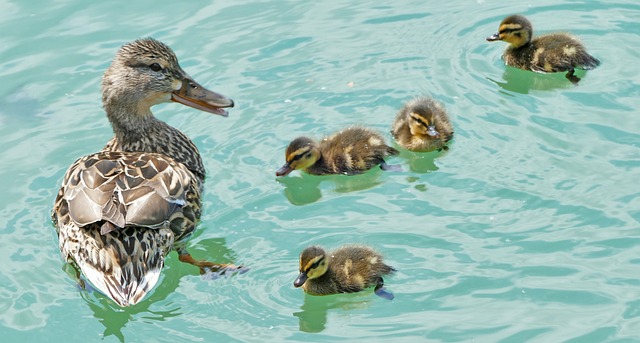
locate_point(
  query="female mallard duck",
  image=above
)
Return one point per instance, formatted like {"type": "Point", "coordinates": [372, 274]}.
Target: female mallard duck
{"type": "Point", "coordinates": [120, 211]}
{"type": "Point", "coordinates": [422, 125]}
{"type": "Point", "coordinates": [351, 151]}
{"type": "Point", "coordinates": [348, 269]}
{"type": "Point", "coordinates": [556, 52]}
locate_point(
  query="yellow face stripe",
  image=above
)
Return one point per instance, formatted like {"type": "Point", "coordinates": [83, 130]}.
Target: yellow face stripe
{"type": "Point", "coordinates": [309, 264]}
{"type": "Point", "coordinates": [420, 119]}
{"type": "Point", "coordinates": [297, 154]}
{"type": "Point", "coordinates": [509, 27]}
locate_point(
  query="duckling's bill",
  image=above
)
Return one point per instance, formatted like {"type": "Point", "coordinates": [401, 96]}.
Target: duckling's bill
{"type": "Point", "coordinates": [284, 171]}
{"type": "Point", "coordinates": [194, 95]}
{"type": "Point", "coordinates": [300, 280]}
{"type": "Point", "coordinates": [494, 37]}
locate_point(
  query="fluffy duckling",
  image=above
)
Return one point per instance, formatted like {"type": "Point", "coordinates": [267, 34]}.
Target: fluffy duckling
{"type": "Point", "coordinates": [422, 125]}
{"type": "Point", "coordinates": [351, 151]}
{"type": "Point", "coordinates": [556, 52]}
{"type": "Point", "coordinates": [348, 269]}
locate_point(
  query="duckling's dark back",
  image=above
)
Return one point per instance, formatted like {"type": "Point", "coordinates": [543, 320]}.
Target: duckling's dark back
{"type": "Point", "coordinates": [556, 52]}
{"type": "Point", "coordinates": [355, 265]}
{"type": "Point", "coordinates": [352, 151]}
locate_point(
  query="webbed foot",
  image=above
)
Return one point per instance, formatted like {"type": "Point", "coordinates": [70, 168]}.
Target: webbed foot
{"type": "Point", "coordinates": [211, 270]}
{"type": "Point", "coordinates": [390, 167]}
{"type": "Point", "coordinates": [381, 291]}
{"type": "Point", "coordinates": [574, 79]}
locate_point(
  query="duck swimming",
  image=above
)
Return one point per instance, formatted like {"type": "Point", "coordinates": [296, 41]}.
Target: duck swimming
{"type": "Point", "coordinates": [351, 151]}
{"type": "Point", "coordinates": [120, 211]}
{"type": "Point", "coordinates": [348, 269]}
{"type": "Point", "coordinates": [556, 52]}
{"type": "Point", "coordinates": [422, 124]}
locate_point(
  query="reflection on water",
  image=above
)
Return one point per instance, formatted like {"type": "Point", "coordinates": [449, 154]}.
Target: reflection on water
{"type": "Point", "coordinates": [305, 189]}
{"type": "Point", "coordinates": [422, 162]}
{"type": "Point", "coordinates": [524, 81]}
{"type": "Point", "coordinates": [313, 315]}
{"type": "Point", "coordinates": [115, 318]}
{"type": "Point", "coordinates": [301, 190]}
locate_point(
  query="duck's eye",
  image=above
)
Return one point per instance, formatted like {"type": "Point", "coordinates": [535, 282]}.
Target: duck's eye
{"type": "Point", "coordinates": [155, 67]}
{"type": "Point", "coordinates": [316, 264]}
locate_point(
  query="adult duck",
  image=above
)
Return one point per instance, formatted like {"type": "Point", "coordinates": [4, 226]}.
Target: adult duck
{"type": "Point", "coordinates": [120, 211]}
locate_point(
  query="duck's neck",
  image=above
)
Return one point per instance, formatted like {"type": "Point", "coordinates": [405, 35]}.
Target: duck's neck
{"type": "Point", "coordinates": [137, 130]}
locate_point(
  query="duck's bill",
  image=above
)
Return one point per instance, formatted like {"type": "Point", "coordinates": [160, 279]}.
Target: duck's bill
{"type": "Point", "coordinates": [284, 170]}
{"type": "Point", "coordinates": [494, 37]}
{"type": "Point", "coordinates": [431, 131]}
{"type": "Point", "coordinates": [302, 278]}
{"type": "Point", "coordinates": [193, 95]}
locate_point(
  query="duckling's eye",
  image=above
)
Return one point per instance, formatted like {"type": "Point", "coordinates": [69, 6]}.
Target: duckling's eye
{"type": "Point", "coordinates": [316, 264]}
{"type": "Point", "coordinates": [420, 121]}
{"type": "Point", "coordinates": [155, 67]}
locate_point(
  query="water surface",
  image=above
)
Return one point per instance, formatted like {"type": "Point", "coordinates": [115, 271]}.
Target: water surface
{"type": "Point", "coordinates": [527, 229]}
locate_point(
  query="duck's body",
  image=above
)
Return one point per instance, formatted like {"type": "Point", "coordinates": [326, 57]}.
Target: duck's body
{"type": "Point", "coordinates": [348, 269]}
{"type": "Point", "coordinates": [351, 151]}
{"type": "Point", "coordinates": [120, 211]}
{"type": "Point", "coordinates": [556, 52]}
{"type": "Point", "coordinates": [422, 125]}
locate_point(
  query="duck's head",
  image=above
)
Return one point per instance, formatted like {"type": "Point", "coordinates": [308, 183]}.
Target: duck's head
{"type": "Point", "coordinates": [146, 72]}
{"type": "Point", "coordinates": [422, 122]}
{"type": "Point", "coordinates": [514, 29]}
{"type": "Point", "coordinates": [313, 264]}
{"type": "Point", "coordinates": [302, 153]}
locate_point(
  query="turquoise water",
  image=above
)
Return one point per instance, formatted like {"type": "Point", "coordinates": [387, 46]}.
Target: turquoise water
{"type": "Point", "coordinates": [526, 230]}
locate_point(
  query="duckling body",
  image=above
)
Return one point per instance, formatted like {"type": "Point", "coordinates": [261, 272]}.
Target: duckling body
{"type": "Point", "coordinates": [351, 151]}
{"type": "Point", "coordinates": [556, 52]}
{"type": "Point", "coordinates": [422, 125]}
{"type": "Point", "coordinates": [120, 211]}
{"type": "Point", "coordinates": [348, 269]}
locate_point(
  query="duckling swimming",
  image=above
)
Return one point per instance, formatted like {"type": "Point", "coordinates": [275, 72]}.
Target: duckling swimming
{"type": "Point", "coordinates": [348, 269]}
{"type": "Point", "coordinates": [556, 52]}
{"type": "Point", "coordinates": [422, 125]}
{"type": "Point", "coordinates": [351, 151]}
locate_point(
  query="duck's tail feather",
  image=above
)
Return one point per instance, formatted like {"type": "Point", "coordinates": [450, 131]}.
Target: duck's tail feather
{"type": "Point", "coordinates": [589, 62]}
{"type": "Point", "coordinates": [124, 264]}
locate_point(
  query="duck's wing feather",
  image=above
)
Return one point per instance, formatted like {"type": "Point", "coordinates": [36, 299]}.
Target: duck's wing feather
{"type": "Point", "coordinates": [124, 189]}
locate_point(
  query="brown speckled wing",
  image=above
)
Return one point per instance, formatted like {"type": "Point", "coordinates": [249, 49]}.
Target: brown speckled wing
{"type": "Point", "coordinates": [140, 189]}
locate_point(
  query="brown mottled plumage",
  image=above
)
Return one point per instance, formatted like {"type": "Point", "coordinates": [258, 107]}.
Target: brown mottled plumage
{"type": "Point", "coordinates": [348, 269]}
{"type": "Point", "coordinates": [120, 211]}
{"type": "Point", "coordinates": [556, 52]}
{"type": "Point", "coordinates": [351, 151]}
{"type": "Point", "coordinates": [422, 125]}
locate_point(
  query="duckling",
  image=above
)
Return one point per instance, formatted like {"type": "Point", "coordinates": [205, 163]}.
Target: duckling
{"type": "Point", "coordinates": [348, 269]}
{"type": "Point", "coordinates": [351, 151]}
{"type": "Point", "coordinates": [556, 52]}
{"type": "Point", "coordinates": [422, 125]}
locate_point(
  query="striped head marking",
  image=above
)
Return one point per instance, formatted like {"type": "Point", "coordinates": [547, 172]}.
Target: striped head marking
{"type": "Point", "coordinates": [302, 153]}
{"type": "Point", "coordinates": [422, 125]}
{"type": "Point", "coordinates": [514, 29]}
{"type": "Point", "coordinates": [313, 264]}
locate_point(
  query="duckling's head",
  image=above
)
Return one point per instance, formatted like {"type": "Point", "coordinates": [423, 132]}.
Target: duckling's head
{"type": "Point", "coordinates": [146, 72]}
{"type": "Point", "coordinates": [514, 29]}
{"type": "Point", "coordinates": [313, 264]}
{"type": "Point", "coordinates": [302, 153]}
{"type": "Point", "coordinates": [422, 123]}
